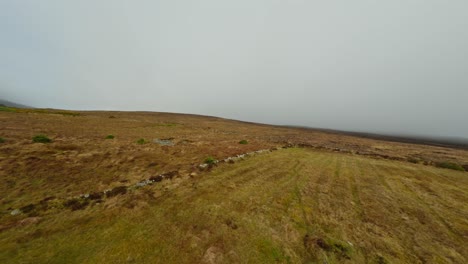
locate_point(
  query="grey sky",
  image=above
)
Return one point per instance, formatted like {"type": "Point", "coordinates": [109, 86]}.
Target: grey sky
{"type": "Point", "coordinates": [397, 66]}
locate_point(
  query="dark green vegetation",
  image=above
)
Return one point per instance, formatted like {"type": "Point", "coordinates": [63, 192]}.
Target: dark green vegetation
{"type": "Point", "coordinates": [289, 206]}
{"type": "Point", "coordinates": [141, 141]}
{"type": "Point", "coordinates": [210, 160]}
{"type": "Point", "coordinates": [2, 140]}
{"type": "Point", "coordinates": [41, 139]}
{"type": "Point", "coordinates": [243, 142]}
{"type": "Point", "coordinates": [110, 137]}
{"type": "Point", "coordinates": [6, 109]}
{"type": "Point", "coordinates": [450, 165]}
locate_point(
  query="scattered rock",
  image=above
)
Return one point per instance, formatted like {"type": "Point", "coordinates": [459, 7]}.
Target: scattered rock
{"type": "Point", "coordinates": [16, 212]}
{"type": "Point", "coordinates": [213, 255]}
{"type": "Point", "coordinates": [164, 141]}
{"type": "Point", "coordinates": [141, 184]}
{"type": "Point", "coordinates": [83, 200]}
{"type": "Point", "coordinates": [185, 141]}
{"type": "Point", "coordinates": [156, 178]}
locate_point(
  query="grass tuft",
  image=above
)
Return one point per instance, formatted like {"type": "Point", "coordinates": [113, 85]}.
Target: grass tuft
{"type": "Point", "coordinates": [243, 142]}
{"type": "Point", "coordinates": [450, 165]}
{"type": "Point", "coordinates": [210, 160]}
{"type": "Point", "coordinates": [141, 141]}
{"type": "Point", "coordinates": [2, 140]}
{"type": "Point", "coordinates": [41, 139]}
{"type": "Point", "coordinates": [110, 137]}
{"type": "Point", "coordinates": [413, 160]}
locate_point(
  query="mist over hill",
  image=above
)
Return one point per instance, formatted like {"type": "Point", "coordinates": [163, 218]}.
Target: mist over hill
{"type": "Point", "coordinates": [12, 104]}
{"type": "Point", "coordinates": [388, 67]}
{"type": "Point", "coordinates": [454, 142]}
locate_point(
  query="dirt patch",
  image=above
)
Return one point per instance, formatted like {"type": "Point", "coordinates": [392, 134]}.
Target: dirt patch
{"type": "Point", "coordinates": [116, 191]}
{"type": "Point", "coordinates": [96, 195]}
{"type": "Point", "coordinates": [76, 204]}
{"type": "Point", "coordinates": [231, 224]}
{"type": "Point", "coordinates": [170, 175]}
{"type": "Point", "coordinates": [28, 208]}
{"type": "Point", "coordinates": [29, 221]}
{"type": "Point", "coordinates": [157, 178]}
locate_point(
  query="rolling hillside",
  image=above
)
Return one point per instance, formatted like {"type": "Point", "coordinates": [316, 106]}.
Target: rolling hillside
{"type": "Point", "coordinates": [170, 188]}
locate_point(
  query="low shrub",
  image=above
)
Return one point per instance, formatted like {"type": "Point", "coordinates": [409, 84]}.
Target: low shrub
{"type": "Point", "coordinates": [110, 137]}
{"type": "Point", "coordinates": [28, 208]}
{"type": "Point", "coordinates": [95, 195]}
{"type": "Point", "coordinates": [141, 141]}
{"type": "Point", "coordinates": [210, 160]}
{"type": "Point", "coordinates": [450, 165]}
{"type": "Point", "coordinates": [2, 140]}
{"type": "Point", "coordinates": [41, 139]}
{"type": "Point", "coordinates": [116, 191]}
{"type": "Point", "coordinates": [243, 142]}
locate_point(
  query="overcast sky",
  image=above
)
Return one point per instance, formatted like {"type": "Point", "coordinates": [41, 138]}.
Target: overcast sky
{"type": "Point", "coordinates": [398, 66]}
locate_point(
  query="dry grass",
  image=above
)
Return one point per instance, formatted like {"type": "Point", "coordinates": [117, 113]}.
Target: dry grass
{"type": "Point", "coordinates": [289, 206]}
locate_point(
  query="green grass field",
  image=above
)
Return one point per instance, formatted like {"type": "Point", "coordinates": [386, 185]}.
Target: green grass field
{"type": "Point", "coordinates": [288, 206]}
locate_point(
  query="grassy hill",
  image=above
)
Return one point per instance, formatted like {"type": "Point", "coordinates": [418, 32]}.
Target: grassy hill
{"type": "Point", "coordinates": [323, 198]}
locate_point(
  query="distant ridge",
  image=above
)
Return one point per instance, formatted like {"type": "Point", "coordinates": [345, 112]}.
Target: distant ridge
{"type": "Point", "coordinates": [460, 143]}
{"type": "Point", "coordinates": [11, 104]}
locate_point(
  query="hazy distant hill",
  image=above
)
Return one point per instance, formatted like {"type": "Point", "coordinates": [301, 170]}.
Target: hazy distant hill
{"type": "Point", "coordinates": [11, 104]}
{"type": "Point", "coordinates": [451, 142]}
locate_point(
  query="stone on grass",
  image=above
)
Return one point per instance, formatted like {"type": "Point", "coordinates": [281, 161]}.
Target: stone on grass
{"type": "Point", "coordinates": [16, 212]}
